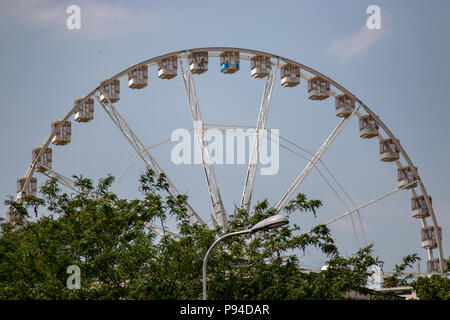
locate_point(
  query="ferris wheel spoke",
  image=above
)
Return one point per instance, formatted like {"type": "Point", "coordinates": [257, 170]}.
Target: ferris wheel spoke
{"type": "Point", "coordinates": [259, 133]}
{"type": "Point", "coordinates": [143, 153]}
{"type": "Point", "coordinates": [162, 231]}
{"type": "Point", "coordinates": [333, 177]}
{"type": "Point", "coordinates": [224, 130]}
{"type": "Point", "coordinates": [351, 200]}
{"type": "Point", "coordinates": [328, 183]}
{"type": "Point", "coordinates": [313, 162]}
{"type": "Point", "coordinates": [52, 174]}
{"type": "Point", "coordinates": [368, 203]}
{"type": "Point", "coordinates": [199, 132]}
{"type": "Point", "coordinates": [136, 158]}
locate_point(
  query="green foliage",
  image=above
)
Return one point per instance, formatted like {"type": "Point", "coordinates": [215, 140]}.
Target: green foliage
{"type": "Point", "coordinates": [120, 257]}
{"type": "Point", "coordinates": [435, 287]}
{"type": "Point", "coordinates": [302, 204]}
{"type": "Point", "coordinates": [397, 278]}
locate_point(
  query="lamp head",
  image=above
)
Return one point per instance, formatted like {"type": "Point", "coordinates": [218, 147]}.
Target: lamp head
{"type": "Point", "coordinates": [272, 222]}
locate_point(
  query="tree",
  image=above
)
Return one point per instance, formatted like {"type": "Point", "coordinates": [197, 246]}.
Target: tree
{"type": "Point", "coordinates": [398, 278]}
{"type": "Point", "coordinates": [120, 257]}
{"type": "Point", "coordinates": [435, 287]}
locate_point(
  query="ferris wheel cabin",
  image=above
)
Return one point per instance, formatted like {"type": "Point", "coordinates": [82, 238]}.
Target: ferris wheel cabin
{"type": "Point", "coordinates": [429, 240]}
{"type": "Point", "coordinates": [388, 150]}
{"type": "Point", "coordinates": [290, 75]}
{"type": "Point", "coordinates": [167, 68]}
{"type": "Point", "coordinates": [198, 62]}
{"type": "Point", "coordinates": [344, 105]}
{"type": "Point", "coordinates": [45, 160]}
{"type": "Point", "coordinates": [405, 178]}
{"type": "Point", "coordinates": [85, 110]}
{"type": "Point", "coordinates": [434, 266]}
{"type": "Point", "coordinates": [110, 90]}
{"type": "Point", "coordinates": [31, 188]}
{"type": "Point", "coordinates": [138, 77]}
{"type": "Point", "coordinates": [318, 89]}
{"type": "Point", "coordinates": [63, 133]}
{"type": "Point", "coordinates": [229, 62]}
{"type": "Point", "coordinates": [368, 127]}
{"type": "Point", "coordinates": [260, 66]}
{"type": "Point", "coordinates": [419, 207]}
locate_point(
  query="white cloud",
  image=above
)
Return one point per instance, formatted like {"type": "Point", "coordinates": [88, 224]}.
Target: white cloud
{"type": "Point", "coordinates": [103, 19]}
{"type": "Point", "coordinates": [356, 44]}
{"type": "Point", "coordinates": [98, 19]}
{"type": "Point", "coordinates": [35, 14]}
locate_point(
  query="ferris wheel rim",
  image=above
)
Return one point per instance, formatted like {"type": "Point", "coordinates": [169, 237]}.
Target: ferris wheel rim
{"type": "Point", "coordinates": [210, 50]}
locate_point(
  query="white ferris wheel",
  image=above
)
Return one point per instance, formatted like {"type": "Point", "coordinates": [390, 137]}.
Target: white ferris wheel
{"type": "Point", "coordinates": [188, 63]}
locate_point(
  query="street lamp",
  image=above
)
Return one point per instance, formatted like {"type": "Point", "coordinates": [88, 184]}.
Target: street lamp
{"type": "Point", "coordinates": [272, 222]}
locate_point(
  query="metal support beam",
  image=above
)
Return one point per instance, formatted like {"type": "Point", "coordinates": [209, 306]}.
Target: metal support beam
{"type": "Point", "coordinates": [311, 164]}
{"type": "Point", "coordinates": [260, 127]}
{"type": "Point", "coordinates": [52, 174]}
{"type": "Point", "coordinates": [141, 150]}
{"type": "Point", "coordinates": [133, 162]}
{"type": "Point", "coordinates": [333, 177]}
{"type": "Point", "coordinates": [219, 213]}
{"type": "Point", "coordinates": [361, 207]}
{"type": "Point", "coordinates": [162, 232]}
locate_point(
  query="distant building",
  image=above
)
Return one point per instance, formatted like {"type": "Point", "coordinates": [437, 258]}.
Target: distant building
{"type": "Point", "coordinates": [404, 292]}
{"type": "Point", "coordinates": [375, 281]}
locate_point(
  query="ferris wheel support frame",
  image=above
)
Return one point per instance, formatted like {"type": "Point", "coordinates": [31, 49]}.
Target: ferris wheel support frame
{"type": "Point", "coordinates": [257, 140]}
{"type": "Point", "coordinates": [302, 176]}
{"type": "Point", "coordinates": [52, 174]}
{"type": "Point", "coordinates": [139, 147]}
{"type": "Point", "coordinates": [219, 213]}
{"type": "Point", "coordinates": [349, 212]}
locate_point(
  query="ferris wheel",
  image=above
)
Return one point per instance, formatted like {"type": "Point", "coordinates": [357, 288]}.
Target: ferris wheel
{"type": "Point", "coordinates": [190, 62]}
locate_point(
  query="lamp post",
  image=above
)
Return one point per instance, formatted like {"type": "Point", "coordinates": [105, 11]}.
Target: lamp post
{"type": "Point", "coordinates": [272, 222]}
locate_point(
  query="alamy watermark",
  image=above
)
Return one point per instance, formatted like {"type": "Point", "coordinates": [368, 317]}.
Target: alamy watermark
{"type": "Point", "coordinates": [74, 20]}
{"type": "Point", "coordinates": [74, 280]}
{"type": "Point", "coordinates": [374, 20]}
{"type": "Point", "coordinates": [229, 146]}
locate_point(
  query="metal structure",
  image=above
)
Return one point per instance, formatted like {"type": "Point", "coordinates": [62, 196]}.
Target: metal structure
{"type": "Point", "coordinates": [263, 65]}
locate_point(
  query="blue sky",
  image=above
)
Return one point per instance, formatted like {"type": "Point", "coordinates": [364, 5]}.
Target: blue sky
{"type": "Point", "coordinates": [401, 72]}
